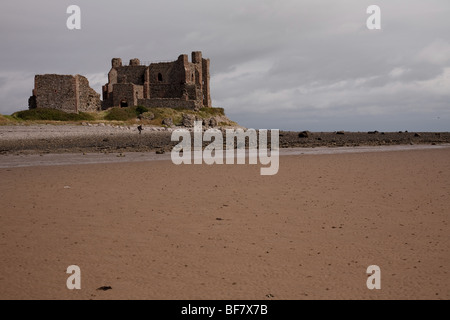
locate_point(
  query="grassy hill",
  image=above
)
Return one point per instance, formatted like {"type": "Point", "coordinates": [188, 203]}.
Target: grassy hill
{"type": "Point", "coordinates": [130, 115]}
{"type": "Point", "coordinates": [5, 120]}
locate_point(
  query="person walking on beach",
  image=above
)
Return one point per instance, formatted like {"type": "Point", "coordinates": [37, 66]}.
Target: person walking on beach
{"type": "Point", "coordinates": [140, 128]}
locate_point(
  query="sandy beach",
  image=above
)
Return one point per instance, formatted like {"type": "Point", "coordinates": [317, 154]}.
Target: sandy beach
{"type": "Point", "coordinates": [153, 230]}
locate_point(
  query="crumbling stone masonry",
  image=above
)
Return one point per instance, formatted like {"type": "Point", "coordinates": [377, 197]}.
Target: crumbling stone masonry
{"type": "Point", "coordinates": [64, 92]}
{"type": "Point", "coordinates": [174, 84]}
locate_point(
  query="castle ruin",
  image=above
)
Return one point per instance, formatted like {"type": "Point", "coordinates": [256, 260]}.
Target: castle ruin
{"type": "Point", "coordinates": [176, 84]}
{"type": "Point", "coordinates": [64, 92]}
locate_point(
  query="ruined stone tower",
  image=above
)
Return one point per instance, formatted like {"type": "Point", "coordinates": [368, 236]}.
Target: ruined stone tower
{"type": "Point", "coordinates": [166, 84]}
{"type": "Point", "coordinates": [64, 92]}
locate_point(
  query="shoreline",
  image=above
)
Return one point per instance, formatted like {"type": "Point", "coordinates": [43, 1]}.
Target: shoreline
{"type": "Point", "coordinates": [57, 159]}
{"type": "Point", "coordinates": [44, 139]}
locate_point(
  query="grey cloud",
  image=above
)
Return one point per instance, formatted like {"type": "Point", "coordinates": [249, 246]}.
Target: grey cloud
{"type": "Point", "coordinates": [285, 64]}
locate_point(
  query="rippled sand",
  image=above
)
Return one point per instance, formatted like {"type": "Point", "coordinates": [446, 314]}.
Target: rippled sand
{"type": "Point", "coordinates": [153, 230]}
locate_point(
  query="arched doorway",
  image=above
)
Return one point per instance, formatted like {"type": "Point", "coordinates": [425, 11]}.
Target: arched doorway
{"type": "Point", "coordinates": [123, 103]}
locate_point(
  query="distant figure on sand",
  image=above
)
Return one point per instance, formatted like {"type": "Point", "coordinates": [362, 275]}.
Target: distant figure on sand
{"type": "Point", "coordinates": [140, 129]}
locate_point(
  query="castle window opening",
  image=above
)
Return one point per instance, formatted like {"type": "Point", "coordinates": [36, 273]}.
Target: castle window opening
{"type": "Point", "coordinates": [160, 79]}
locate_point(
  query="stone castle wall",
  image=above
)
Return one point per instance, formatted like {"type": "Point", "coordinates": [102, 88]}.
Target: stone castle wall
{"type": "Point", "coordinates": [55, 92]}
{"type": "Point", "coordinates": [131, 74]}
{"type": "Point", "coordinates": [176, 84]}
{"type": "Point", "coordinates": [89, 99]}
{"type": "Point", "coordinates": [180, 80]}
{"type": "Point", "coordinates": [64, 92]}
{"type": "Point", "coordinates": [169, 103]}
{"type": "Point", "coordinates": [127, 94]}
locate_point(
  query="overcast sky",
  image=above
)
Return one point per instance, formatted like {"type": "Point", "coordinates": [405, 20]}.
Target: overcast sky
{"type": "Point", "coordinates": [286, 64]}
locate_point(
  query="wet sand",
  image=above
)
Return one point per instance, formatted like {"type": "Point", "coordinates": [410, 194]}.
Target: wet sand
{"type": "Point", "coordinates": [54, 159]}
{"type": "Point", "coordinates": [153, 230]}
